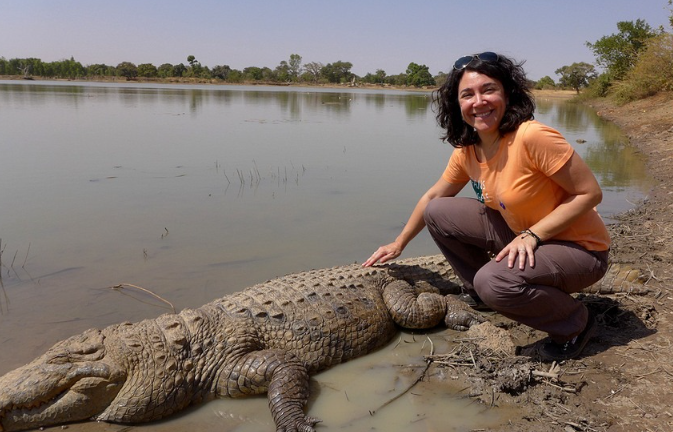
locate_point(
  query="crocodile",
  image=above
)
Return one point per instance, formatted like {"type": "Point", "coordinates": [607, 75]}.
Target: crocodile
{"type": "Point", "coordinates": [269, 338]}
{"type": "Point", "coordinates": [620, 279]}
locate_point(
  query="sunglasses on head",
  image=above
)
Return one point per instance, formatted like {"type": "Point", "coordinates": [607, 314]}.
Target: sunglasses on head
{"type": "Point", "coordinates": [462, 62]}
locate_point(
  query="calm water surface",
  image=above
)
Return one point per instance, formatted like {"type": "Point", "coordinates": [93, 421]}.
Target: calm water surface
{"type": "Point", "coordinates": [194, 192]}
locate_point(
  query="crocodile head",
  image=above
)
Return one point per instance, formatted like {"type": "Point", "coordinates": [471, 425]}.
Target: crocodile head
{"type": "Point", "coordinates": [72, 381]}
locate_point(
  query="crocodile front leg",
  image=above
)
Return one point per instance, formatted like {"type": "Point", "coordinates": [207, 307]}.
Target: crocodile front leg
{"type": "Point", "coordinates": [460, 316]}
{"type": "Point", "coordinates": [280, 374]}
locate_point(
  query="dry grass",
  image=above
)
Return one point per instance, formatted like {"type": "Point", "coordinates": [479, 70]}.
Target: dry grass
{"type": "Point", "coordinates": [653, 73]}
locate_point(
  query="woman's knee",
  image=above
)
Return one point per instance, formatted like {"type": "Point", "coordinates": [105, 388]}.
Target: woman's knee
{"type": "Point", "coordinates": [433, 209]}
{"type": "Point", "coordinates": [496, 287]}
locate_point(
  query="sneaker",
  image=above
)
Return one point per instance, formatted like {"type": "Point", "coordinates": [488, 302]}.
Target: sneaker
{"type": "Point", "coordinates": [572, 348]}
{"type": "Point", "coordinates": [474, 302]}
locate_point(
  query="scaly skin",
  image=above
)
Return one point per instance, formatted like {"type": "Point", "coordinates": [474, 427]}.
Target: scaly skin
{"type": "Point", "coordinates": [620, 279]}
{"type": "Point", "coordinates": [268, 338]}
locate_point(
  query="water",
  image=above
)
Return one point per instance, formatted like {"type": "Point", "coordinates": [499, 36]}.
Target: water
{"type": "Point", "coordinates": [193, 192]}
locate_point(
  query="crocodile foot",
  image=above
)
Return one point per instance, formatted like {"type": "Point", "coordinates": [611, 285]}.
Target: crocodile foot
{"type": "Point", "coordinates": [301, 425]}
{"type": "Point", "coordinates": [459, 316]}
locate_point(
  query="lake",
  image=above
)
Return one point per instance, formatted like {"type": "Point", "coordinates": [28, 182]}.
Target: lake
{"type": "Point", "coordinates": [192, 192]}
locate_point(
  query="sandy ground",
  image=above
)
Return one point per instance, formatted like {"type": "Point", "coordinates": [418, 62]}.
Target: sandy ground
{"type": "Point", "coordinates": [624, 380]}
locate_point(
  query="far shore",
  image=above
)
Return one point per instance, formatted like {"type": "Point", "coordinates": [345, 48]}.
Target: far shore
{"type": "Point", "coordinates": [561, 94]}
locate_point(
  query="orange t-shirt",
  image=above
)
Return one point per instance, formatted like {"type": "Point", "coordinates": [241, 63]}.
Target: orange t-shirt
{"type": "Point", "coordinates": [516, 182]}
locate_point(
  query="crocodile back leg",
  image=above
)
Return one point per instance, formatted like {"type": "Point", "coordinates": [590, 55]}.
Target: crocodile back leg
{"type": "Point", "coordinates": [414, 307]}
{"type": "Point", "coordinates": [280, 374]}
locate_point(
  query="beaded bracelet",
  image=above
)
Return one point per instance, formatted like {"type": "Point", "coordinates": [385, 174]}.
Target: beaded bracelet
{"type": "Point", "coordinates": [532, 234]}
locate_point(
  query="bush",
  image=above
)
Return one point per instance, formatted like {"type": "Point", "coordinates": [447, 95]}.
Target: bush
{"type": "Point", "coordinates": [652, 73]}
{"type": "Point", "coordinates": [600, 87]}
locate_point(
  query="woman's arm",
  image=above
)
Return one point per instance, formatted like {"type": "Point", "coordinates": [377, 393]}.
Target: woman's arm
{"type": "Point", "coordinates": [579, 182]}
{"type": "Point", "coordinates": [415, 223]}
{"type": "Point", "coordinates": [584, 192]}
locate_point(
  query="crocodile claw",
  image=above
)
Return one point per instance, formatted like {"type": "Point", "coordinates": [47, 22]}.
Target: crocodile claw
{"type": "Point", "coordinates": [305, 425]}
{"type": "Point", "coordinates": [459, 316]}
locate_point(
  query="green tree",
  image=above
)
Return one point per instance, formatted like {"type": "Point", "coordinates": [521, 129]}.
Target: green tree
{"type": "Point", "coordinates": [545, 83]}
{"type": "Point", "coordinates": [379, 77]}
{"type": "Point", "coordinates": [166, 70]}
{"type": "Point", "coordinates": [294, 66]}
{"type": "Point", "coordinates": [253, 73]}
{"type": "Point", "coordinates": [221, 72]}
{"type": "Point", "coordinates": [179, 70]}
{"type": "Point", "coordinates": [267, 74]}
{"type": "Point", "coordinates": [49, 70]}
{"type": "Point", "coordinates": [576, 76]}
{"type": "Point", "coordinates": [337, 72]}
{"type": "Point", "coordinates": [441, 78]}
{"type": "Point", "coordinates": [282, 72]}
{"type": "Point", "coordinates": [31, 66]}
{"type": "Point", "coordinates": [147, 70]}
{"type": "Point", "coordinates": [397, 80]}
{"type": "Point", "coordinates": [313, 70]}
{"type": "Point", "coordinates": [68, 69]}
{"type": "Point", "coordinates": [13, 66]}
{"type": "Point", "coordinates": [99, 70]}
{"type": "Point", "coordinates": [235, 76]}
{"type": "Point", "coordinates": [195, 68]}
{"type": "Point", "coordinates": [617, 53]}
{"type": "Point", "coordinates": [204, 72]}
{"type": "Point", "coordinates": [653, 73]}
{"type": "Point", "coordinates": [127, 70]}
{"type": "Point", "coordinates": [419, 76]}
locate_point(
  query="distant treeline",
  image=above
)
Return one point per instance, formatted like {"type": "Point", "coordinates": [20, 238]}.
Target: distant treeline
{"type": "Point", "coordinates": [291, 71]}
{"type": "Point", "coordinates": [636, 62]}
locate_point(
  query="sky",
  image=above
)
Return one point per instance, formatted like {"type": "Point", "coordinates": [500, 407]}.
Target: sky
{"type": "Point", "coordinates": [370, 34]}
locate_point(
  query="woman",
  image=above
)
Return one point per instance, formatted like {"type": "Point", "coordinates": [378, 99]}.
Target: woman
{"type": "Point", "coordinates": [532, 237]}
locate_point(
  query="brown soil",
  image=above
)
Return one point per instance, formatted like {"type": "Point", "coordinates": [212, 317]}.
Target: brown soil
{"type": "Point", "coordinates": [623, 381]}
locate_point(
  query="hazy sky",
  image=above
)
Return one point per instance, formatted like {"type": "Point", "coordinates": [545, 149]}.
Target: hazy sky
{"type": "Point", "coordinates": [372, 35]}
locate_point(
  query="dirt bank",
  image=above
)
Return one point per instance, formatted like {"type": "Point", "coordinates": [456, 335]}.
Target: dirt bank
{"type": "Point", "coordinates": [624, 381]}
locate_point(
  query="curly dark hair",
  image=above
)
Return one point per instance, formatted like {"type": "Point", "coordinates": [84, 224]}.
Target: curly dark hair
{"type": "Point", "coordinates": [511, 75]}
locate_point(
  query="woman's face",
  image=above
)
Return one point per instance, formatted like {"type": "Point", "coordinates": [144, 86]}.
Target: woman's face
{"type": "Point", "coordinates": [482, 101]}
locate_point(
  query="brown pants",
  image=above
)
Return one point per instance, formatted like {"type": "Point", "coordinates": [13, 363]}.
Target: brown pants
{"type": "Point", "coordinates": [467, 231]}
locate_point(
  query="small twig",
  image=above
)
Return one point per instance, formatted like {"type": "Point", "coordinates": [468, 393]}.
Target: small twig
{"type": "Point", "coordinates": [14, 259]}
{"type": "Point", "coordinates": [26, 258]}
{"type": "Point", "coordinates": [552, 373]}
{"type": "Point", "coordinates": [419, 379]}
{"type": "Point", "coordinates": [474, 363]}
{"type": "Point", "coordinates": [636, 405]}
{"type": "Point", "coordinates": [432, 345]}
{"type": "Point", "coordinates": [614, 392]}
{"type": "Point", "coordinates": [545, 374]}
{"type": "Point", "coordinates": [127, 285]}
{"type": "Point", "coordinates": [565, 389]}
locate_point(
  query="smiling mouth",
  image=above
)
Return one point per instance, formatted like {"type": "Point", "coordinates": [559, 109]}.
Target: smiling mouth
{"type": "Point", "coordinates": [483, 114]}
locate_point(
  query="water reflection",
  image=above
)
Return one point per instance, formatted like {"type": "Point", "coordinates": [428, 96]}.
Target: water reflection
{"type": "Point", "coordinates": [570, 116]}
{"type": "Point", "coordinates": [619, 167]}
